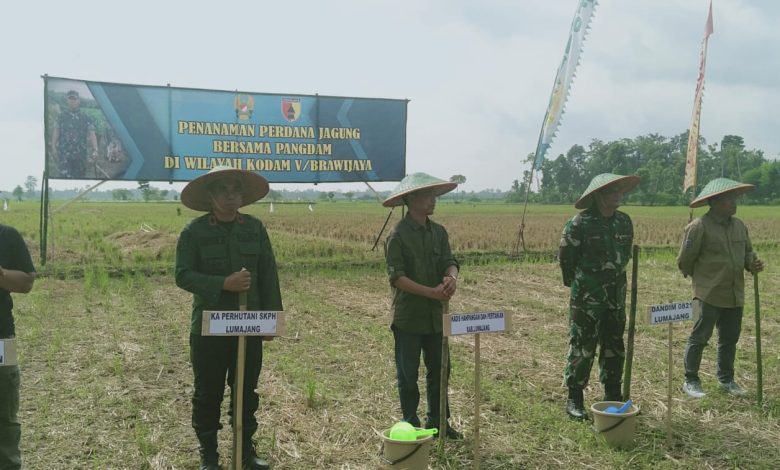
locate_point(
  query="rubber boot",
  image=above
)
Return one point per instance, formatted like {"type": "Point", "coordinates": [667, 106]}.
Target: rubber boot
{"type": "Point", "coordinates": [575, 405]}
{"type": "Point", "coordinates": [612, 392]}
{"type": "Point", "coordinates": [209, 457]}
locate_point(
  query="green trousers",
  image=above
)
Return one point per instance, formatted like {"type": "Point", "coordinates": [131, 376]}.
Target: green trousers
{"type": "Point", "coordinates": [10, 429]}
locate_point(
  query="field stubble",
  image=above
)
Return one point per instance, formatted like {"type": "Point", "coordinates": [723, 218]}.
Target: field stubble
{"type": "Point", "coordinates": [106, 381]}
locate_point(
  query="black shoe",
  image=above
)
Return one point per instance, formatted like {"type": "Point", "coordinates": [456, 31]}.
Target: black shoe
{"type": "Point", "coordinates": [451, 432]}
{"type": "Point", "coordinates": [252, 462]}
{"type": "Point", "coordinates": [209, 464]}
{"type": "Point", "coordinates": [576, 409]}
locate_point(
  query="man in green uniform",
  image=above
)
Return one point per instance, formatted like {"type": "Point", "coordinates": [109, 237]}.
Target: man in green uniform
{"type": "Point", "coordinates": [594, 252]}
{"type": "Point", "coordinates": [423, 274]}
{"type": "Point", "coordinates": [219, 255]}
{"type": "Point", "coordinates": [17, 275]}
{"type": "Point", "coordinates": [715, 252]}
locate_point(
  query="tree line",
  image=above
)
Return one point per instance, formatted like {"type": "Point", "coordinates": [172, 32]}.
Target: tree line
{"type": "Point", "coordinates": [660, 162]}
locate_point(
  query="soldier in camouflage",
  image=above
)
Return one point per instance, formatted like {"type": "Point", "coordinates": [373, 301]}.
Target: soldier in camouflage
{"type": "Point", "coordinates": [594, 252]}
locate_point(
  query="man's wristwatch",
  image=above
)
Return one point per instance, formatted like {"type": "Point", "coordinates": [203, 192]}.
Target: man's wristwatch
{"type": "Point", "coordinates": [453, 277]}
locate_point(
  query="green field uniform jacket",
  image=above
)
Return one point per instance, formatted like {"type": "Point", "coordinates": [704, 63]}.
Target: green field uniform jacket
{"type": "Point", "coordinates": [593, 254]}
{"type": "Point", "coordinates": [209, 251]}
{"type": "Point", "coordinates": [421, 253]}
{"type": "Point", "coordinates": [715, 251]}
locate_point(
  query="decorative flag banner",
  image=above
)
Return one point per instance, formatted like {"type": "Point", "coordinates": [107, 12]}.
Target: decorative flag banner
{"type": "Point", "coordinates": [693, 134]}
{"type": "Point", "coordinates": [560, 92]}
{"type": "Point", "coordinates": [115, 131]}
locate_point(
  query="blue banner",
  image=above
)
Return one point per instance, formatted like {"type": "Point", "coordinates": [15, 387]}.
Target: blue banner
{"type": "Point", "coordinates": [99, 130]}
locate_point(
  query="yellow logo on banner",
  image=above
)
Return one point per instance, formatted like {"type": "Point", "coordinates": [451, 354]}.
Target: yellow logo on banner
{"type": "Point", "coordinates": [244, 106]}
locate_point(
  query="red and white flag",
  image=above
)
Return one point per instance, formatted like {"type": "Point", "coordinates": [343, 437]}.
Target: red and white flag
{"type": "Point", "coordinates": [693, 133]}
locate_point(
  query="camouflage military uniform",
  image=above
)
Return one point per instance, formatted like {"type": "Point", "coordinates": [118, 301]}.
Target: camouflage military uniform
{"type": "Point", "coordinates": [593, 255]}
{"type": "Point", "coordinates": [74, 128]}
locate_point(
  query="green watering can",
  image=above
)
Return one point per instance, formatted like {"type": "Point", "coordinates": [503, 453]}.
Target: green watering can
{"type": "Point", "coordinates": [403, 431]}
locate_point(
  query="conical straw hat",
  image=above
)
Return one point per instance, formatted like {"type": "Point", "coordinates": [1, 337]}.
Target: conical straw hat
{"type": "Point", "coordinates": [196, 194]}
{"type": "Point", "coordinates": [417, 182]}
{"type": "Point", "coordinates": [720, 186]}
{"type": "Point", "coordinates": [626, 184]}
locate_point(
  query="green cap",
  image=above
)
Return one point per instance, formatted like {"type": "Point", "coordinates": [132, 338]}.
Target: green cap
{"type": "Point", "coordinates": [720, 186]}
{"type": "Point", "coordinates": [417, 182]}
{"type": "Point", "coordinates": [599, 182]}
{"type": "Point", "coordinates": [196, 195]}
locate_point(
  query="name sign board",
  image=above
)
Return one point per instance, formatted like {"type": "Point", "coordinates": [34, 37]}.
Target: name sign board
{"type": "Point", "coordinates": [242, 323]}
{"type": "Point", "coordinates": [473, 323]}
{"type": "Point", "coordinates": [670, 313]}
{"type": "Point", "coordinates": [8, 352]}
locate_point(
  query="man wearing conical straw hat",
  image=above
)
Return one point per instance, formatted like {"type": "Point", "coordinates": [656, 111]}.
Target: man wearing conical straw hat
{"type": "Point", "coordinates": [594, 252]}
{"type": "Point", "coordinates": [422, 273]}
{"type": "Point", "coordinates": [219, 255]}
{"type": "Point", "coordinates": [715, 252]}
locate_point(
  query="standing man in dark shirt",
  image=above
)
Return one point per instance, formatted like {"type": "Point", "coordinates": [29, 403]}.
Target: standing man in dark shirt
{"type": "Point", "coordinates": [73, 133]}
{"type": "Point", "coordinates": [17, 274]}
{"type": "Point", "coordinates": [219, 255]}
{"type": "Point", "coordinates": [716, 251]}
{"type": "Point", "coordinates": [594, 252]}
{"type": "Point", "coordinates": [422, 273]}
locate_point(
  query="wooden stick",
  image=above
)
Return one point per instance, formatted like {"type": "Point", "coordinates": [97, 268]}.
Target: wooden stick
{"type": "Point", "coordinates": [238, 393]}
{"type": "Point", "coordinates": [631, 326]}
{"type": "Point", "coordinates": [669, 394]}
{"type": "Point", "coordinates": [476, 401]}
{"type": "Point", "coordinates": [759, 368]}
{"type": "Point", "coordinates": [443, 383]}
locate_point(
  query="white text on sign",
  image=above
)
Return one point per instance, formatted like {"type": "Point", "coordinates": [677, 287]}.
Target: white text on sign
{"type": "Point", "coordinates": [241, 323]}
{"type": "Point", "coordinates": [670, 313]}
{"type": "Point", "coordinates": [473, 323]}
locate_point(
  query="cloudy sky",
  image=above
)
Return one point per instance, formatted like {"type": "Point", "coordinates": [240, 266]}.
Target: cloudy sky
{"type": "Point", "coordinates": [478, 73]}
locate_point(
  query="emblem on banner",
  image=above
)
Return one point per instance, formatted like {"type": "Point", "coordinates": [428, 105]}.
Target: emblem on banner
{"type": "Point", "coordinates": [244, 106]}
{"type": "Point", "coordinates": [291, 109]}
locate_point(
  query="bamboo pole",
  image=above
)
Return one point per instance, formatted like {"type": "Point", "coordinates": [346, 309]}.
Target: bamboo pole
{"type": "Point", "coordinates": [631, 326]}
{"type": "Point", "coordinates": [443, 383]}
{"type": "Point", "coordinates": [759, 368]}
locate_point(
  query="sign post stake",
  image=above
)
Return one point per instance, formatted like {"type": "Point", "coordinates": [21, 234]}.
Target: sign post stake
{"type": "Point", "coordinates": [238, 393]}
{"type": "Point", "coordinates": [241, 323]}
{"type": "Point", "coordinates": [445, 357]}
{"type": "Point", "coordinates": [474, 324]}
{"type": "Point", "coordinates": [669, 313]}
{"type": "Point", "coordinates": [669, 394]}
{"type": "Point", "coordinates": [476, 401]}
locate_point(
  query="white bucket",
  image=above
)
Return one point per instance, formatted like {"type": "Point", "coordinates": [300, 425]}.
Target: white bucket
{"type": "Point", "coordinates": [404, 455]}
{"type": "Point", "coordinates": [617, 429]}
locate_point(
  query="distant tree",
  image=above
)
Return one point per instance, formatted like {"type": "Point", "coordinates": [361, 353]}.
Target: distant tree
{"type": "Point", "coordinates": [275, 196]}
{"type": "Point", "coordinates": [331, 195]}
{"type": "Point", "coordinates": [18, 192]}
{"type": "Point", "coordinates": [516, 193]}
{"type": "Point", "coordinates": [459, 179]}
{"type": "Point", "coordinates": [349, 195]}
{"type": "Point", "coordinates": [147, 192]}
{"type": "Point", "coordinates": [30, 184]}
{"type": "Point", "coordinates": [322, 196]}
{"type": "Point", "coordinates": [121, 194]}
